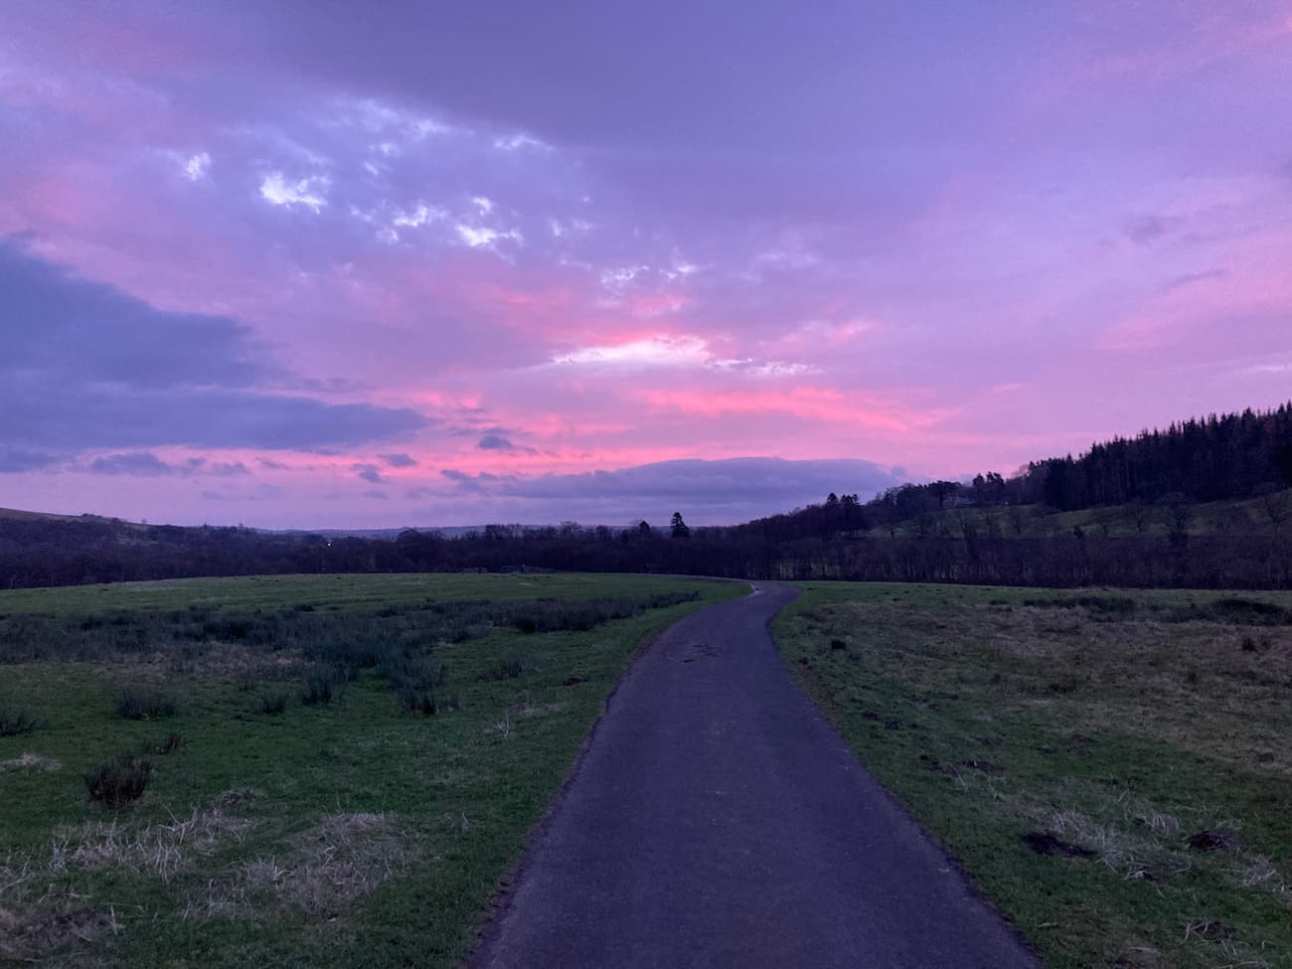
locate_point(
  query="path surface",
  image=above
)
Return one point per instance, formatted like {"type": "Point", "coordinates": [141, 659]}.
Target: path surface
{"type": "Point", "coordinates": [717, 821]}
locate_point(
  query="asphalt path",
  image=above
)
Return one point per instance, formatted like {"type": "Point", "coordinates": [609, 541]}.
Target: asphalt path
{"type": "Point", "coordinates": [716, 820]}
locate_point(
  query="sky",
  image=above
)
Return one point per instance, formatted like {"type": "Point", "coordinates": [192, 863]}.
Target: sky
{"type": "Point", "coordinates": [327, 264]}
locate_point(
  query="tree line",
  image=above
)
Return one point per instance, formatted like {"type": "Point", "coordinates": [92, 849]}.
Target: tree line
{"type": "Point", "coordinates": [982, 530]}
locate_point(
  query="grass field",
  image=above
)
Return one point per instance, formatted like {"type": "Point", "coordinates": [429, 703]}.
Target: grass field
{"type": "Point", "coordinates": [1113, 769]}
{"type": "Point", "coordinates": [335, 770]}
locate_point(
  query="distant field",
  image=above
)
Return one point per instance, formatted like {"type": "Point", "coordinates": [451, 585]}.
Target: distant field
{"type": "Point", "coordinates": [337, 769]}
{"type": "Point", "coordinates": [334, 592]}
{"type": "Point", "coordinates": [1114, 769]}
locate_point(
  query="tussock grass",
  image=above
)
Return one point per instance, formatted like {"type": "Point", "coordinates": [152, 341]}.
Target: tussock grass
{"type": "Point", "coordinates": [119, 782]}
{"type": "Point", "coordinates": [144, 703]}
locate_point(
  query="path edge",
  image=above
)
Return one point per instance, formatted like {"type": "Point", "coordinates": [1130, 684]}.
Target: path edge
{"type": "Point", "coordinates": [970, 883]}
{"type": "Point", "coordinates": [495, 913]}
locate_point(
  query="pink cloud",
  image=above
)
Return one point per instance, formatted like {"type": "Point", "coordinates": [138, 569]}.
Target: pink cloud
{"type": "Point", "coordinates": [809, 403]}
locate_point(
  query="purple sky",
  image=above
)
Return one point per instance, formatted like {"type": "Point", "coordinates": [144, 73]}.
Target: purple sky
{"type": "Point", "coordinates": [339, 264]}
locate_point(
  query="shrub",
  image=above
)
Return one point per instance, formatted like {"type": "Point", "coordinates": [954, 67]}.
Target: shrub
{"type": "Point", "coordinates": [136, 703]}
{"type": "Point", "coordinates": [119, 782]}
{"type": "Point", "coordinates": [15, 723]}
{"type": "Point", "coordinates": [272, 704]}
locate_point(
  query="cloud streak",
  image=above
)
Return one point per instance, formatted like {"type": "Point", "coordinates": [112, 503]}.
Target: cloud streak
{"type": "Point", "coordinates": [88, 367]}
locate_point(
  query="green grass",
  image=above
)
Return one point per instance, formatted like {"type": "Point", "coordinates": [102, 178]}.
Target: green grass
{"type": "Point", "coordinates": [353, 832]}
{"type": "Point", "coordinates": [334, 592]}
{"type": "Point", "coordinates": [1119, 723]}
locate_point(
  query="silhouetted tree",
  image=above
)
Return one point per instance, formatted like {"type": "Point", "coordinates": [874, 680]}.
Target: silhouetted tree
{"type": "Point", "coordinates": [680, 529]}
{"type": "Point", "coordinates": [942, 490]}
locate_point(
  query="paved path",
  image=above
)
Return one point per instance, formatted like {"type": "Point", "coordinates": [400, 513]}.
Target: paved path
{"type": "Point", "coordinates": [717, 821]}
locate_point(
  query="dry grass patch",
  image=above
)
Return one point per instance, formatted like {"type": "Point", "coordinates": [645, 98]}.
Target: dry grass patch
{"type": "Point", "coordinates": [321, 874]}
{"type": "Point", "coordinates": [162, 850]}
{"type": "Point", "coordinates": [36, 762]}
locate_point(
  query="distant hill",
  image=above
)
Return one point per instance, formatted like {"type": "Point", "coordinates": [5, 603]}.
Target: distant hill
{"type": "Point", "coordinates": [15, 514]}
{"type": "Point", "coordinates": [1204, 503]}
{"type": "Point", "coordinates": [390, 534]}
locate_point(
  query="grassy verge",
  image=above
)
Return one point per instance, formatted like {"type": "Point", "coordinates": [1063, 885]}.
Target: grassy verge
{"type": "Point", "coordinates": [336, 770]}
{"type": "Point", "coordinates": [1113, 769]}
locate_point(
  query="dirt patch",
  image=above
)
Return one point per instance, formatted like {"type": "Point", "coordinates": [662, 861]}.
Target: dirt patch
{"type": "Point", "coordinates": [1212, 930]}
{"type": "Point", "coordinates": [1045, 843]}
{"type": "Point", "coordinates": [32, 936]}
{"type": "Point", "coordinates": [1216, 839]}
{"type": "Point", "coordinates": [986, 766]}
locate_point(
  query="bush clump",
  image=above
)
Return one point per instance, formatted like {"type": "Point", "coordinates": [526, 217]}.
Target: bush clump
{"type": "Point", "coordinates": [139, 703]}
{"type": "Point", "coordinates": [120, 781]}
